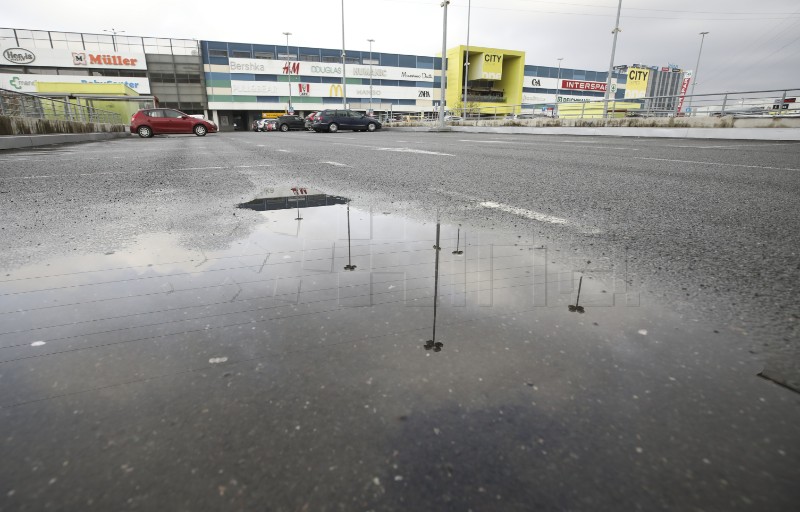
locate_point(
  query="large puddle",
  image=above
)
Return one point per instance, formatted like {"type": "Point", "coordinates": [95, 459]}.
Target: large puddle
{"type": "Point", "coordinates": [414, 354]}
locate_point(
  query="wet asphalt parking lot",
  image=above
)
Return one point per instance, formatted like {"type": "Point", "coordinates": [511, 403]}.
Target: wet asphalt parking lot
{"type": "Point", "coordinates": [173, 337]}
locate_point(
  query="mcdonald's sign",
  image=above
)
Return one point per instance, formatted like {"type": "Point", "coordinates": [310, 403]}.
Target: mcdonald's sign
{"type": "Point", "coordinates": [335, 90]}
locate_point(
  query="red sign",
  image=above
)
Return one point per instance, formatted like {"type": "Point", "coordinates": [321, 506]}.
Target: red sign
{"type": "Point", "coordinates": [580, 85]}
{"type": "Point", "coordinates": [291, 68]}
{"type": "Point", "coordinates": [684, 88]}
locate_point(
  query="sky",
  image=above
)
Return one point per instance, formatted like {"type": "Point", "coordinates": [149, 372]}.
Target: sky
{"type": "Point", "coordinates": [750, 45]}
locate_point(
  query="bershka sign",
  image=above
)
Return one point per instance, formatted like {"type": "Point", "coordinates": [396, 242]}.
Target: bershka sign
{"type": "Point", "coordinates": [581, 85]}
{"type": "Point", "coordinates": [49, 57]}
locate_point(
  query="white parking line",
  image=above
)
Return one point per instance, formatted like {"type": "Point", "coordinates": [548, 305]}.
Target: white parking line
{"type": "Point", "coordinates": [410, 150]}
{"type": "Point", "coordinates": [335, 164]}
{"type": "Point", "coordinates": [716, 163]}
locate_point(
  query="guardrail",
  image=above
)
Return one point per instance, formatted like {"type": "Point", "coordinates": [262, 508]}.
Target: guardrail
{"type": "Point", "coordinates": [765, 103]}
{"type": "Point", "coordinates": [20, 104]}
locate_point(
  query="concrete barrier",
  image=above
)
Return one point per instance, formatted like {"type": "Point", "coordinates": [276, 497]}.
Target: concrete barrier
{"type": "Point", "coordinates": [29, 141]}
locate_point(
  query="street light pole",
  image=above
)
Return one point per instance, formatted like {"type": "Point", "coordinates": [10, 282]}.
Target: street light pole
{"type": "Point", "coordinates": [696, 68]}
{"type": "Point", "coordinates": [289, 72]}
{"type": "Point", "coordinates": [114, 33]}
{"type": "Point", "coordinates": [558, 84]}
{"type": "Point", "coordinates": [444, 4]}
{"type": "Point", "coordinates": [466, 64]}
{"type": "Point", "coordinates": [611, 64]}
{"type": "Point", "coordinates": [344, 64]}
{"type": "Point", "coordinates": [370, 74]}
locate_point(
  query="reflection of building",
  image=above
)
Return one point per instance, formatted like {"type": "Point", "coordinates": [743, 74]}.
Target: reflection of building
{"type": "Point", "coordinates": [290, 198]}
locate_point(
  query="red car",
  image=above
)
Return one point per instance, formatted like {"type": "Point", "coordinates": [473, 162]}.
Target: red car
{"type": "Point", "coordinates": [158, 121]}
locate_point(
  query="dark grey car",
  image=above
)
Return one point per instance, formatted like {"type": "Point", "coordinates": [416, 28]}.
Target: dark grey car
{"type": "Point", "coordinates": [335, 120]}
{"type": "Point", "coordinates": [286, 123]}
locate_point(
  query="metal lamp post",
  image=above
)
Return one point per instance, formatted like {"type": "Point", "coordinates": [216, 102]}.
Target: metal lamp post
{"type": "Point", "coordinates": [696, 68]}
{"type": "Point", "coordinates": [558, 84]}
{"type": "Point", "coordinates": [344, 64]}
{"type": "Point", "coordinates": [444, 63]}
{"type": "Point", "coordinates": [466, 64]}
{"type": "Point", "coordinates": [289, 71]}
{"type": "Point", "coordinates": [370, 74]}
{"type": "Point", "coordinates": [611, 64]}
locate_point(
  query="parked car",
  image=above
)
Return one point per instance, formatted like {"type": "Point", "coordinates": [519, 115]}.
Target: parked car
{"type": "Point", "coordinates": [452, 118]}
{"type": "Point", "coordinates": [158, 121]}
{"type": "Point", "coordinates": [310, 120]}
{"type": "Point", "coordinates": [335, 120]}
{"type": "Point", "coordinates": [286, 123]}
{"type": "Point", "coordinates": [270, 125]}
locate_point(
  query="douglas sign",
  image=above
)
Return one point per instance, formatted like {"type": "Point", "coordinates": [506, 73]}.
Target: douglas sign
{"type": "Point", "coordinates": [19, 55]}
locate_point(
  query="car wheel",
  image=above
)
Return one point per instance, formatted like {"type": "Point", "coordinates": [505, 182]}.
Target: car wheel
{"type": "Point", "coordinates": [333, 128]}
{"type": "Point", "coordinates": [284, 127]}
{"type": "Point", "coordinates": [144, 132]}
{"type": "Point", "coordinates": [371, 127]}
{"type": "Point", "coordinates": [200, 130]}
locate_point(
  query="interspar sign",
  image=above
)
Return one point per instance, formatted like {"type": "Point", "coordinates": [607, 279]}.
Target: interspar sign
{"type": "Point", "coordinates": [582, 85]}
{"type": "Point", "coordinates": [687, 77]}
{"type": "Point", "coordinates": [50, 57]}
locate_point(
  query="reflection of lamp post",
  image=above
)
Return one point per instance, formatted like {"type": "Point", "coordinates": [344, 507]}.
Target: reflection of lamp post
{"type": "Point", "coordinates": [611, 65]}
{"type": "Point", "coordinates": [349, 265]}
{"type": "Point", "coordinates": [558, 83]}
{"type": "Point", "coordinates": [370, 74]}
{"type": "Point", "coordinates": [576, 307]}
{"type": "Point", "coordinates": [458, 240]}
{"type": "Point", "coordinates": [298, 207]}
{"type": "Point", "coordinates": [289, 73]}
{"type": "Point", "coordinates": [696, 67]}
{"type": "Point", "coordinates": [114, 33]}
{"type": "Point", "coordinates": [432, 343]}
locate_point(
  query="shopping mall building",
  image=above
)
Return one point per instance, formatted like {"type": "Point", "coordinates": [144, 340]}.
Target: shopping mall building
{"type": "Point", "coordinates": [235, 83]}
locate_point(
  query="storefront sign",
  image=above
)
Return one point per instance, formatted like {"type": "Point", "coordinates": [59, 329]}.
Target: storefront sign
{"type": "Point", "coordinates": [581, 85]}
{"type": "Point", "coordinates": [50, 57]}
{"type": "Point", "coordinates": [27, 83]}
{"type": "Point", "coordinates": [637, 83]}
{"type": "Point", "coordinates": [251, 88]}
{"type": "Point", "coordinates": [303, 68]}
{"type": "Point", "coordinates": [687, 77]}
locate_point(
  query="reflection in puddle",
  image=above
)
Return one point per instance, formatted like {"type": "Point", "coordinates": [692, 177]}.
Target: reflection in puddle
{"type": "Point", "coordinates": [290, 343]}
{"type": "Point", "coordinates": [294, 197]}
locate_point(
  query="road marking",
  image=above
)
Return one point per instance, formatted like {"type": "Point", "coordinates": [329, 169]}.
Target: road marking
{"type": "Point", "coordinates": [410, 150]}
{"type": "Point", "coordinates": [41, 176]}
{"type": "Point", "coordinates": [716, 163]}
{"type": "Point", "coordinates": [335, 164]}
{"type": "Point", "coordinates": [487, 141]}
{"type": "Point", "coordinates": [522, 212]}
{"type": "Point", "coordinates": [282, 150]}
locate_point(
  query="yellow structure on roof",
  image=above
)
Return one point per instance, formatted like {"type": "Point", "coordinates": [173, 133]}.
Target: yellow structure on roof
{"type": "Point", "coordinates": [494, 82]}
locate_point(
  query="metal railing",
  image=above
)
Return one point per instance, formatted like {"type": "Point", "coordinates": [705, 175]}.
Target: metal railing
{"type": "Point", "coordinates": [740, 104]}
{"type": "Point", "coordinates": [20, 104]}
